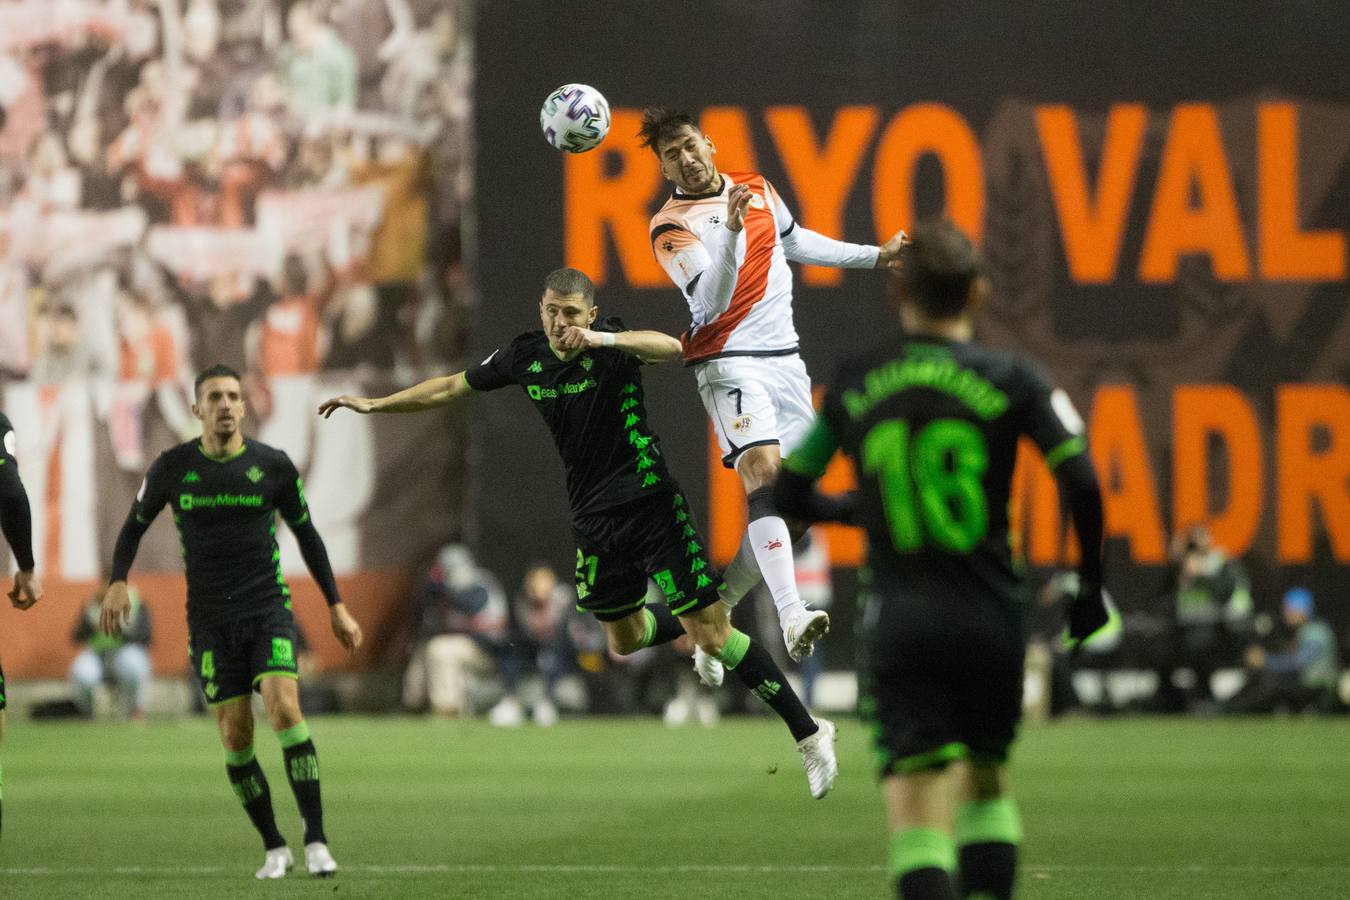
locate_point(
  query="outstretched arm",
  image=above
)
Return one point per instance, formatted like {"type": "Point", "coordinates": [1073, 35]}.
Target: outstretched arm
{"type": "Point", "coordinates": [16, 521]}
{"type": "Point", "coordinates": [434, 392]}
{"type": "Point", "coordinates": [648, 346]}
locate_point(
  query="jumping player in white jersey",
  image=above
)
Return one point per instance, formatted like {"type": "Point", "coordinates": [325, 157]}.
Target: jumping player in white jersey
{"type": "Point", "coordinates": [725, 239]}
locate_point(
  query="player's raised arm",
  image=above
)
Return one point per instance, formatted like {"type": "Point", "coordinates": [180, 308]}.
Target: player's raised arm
{"type": "Point", "coordinates": [429, 394]}
{"type": "Point", "coordinates": [648, 346]}
{"type": "Point", "coordinates": [812, 248]}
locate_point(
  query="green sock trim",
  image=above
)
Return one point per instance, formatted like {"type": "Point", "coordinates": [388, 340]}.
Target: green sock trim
{"type": "Point", "coordinates": [649, 622]}
{"type": "Point", "coordinates": [296, 734]}
{"type": "Point", "coordinates": [735, 648]}
{"type": "Point", "coordinates": [239, 757]}
{"type": "Point", "coordinates": [994, 821]}
{"type": "Point", "coordinates": [921, 848]}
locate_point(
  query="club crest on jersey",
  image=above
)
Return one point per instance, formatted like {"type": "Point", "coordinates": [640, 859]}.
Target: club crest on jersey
{"type": "Point", "coordinates": [254, 474]}
{"type": "Point", "coordinates": [586, 363]}
{"type": "Point", "coordinates": [742, 424]}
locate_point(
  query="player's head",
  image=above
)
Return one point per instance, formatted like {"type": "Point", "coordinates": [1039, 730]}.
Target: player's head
{"type": "Point", "coordinates": [939, 273]}
{"type": "Point", "coordinates": [220, 400]}
{"type": "Point", "coordinates": [568, 299]}
{"type": "Point", "coordinates": [685, 152]}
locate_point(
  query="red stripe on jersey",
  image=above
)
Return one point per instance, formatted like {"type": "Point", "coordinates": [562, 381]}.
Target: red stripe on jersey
{"type": "Point", "coordinates": [760, 236]}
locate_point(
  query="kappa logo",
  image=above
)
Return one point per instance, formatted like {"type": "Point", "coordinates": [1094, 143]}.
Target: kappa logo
{"type": "Point", "coordinates": [254, 474]}
{"type": "Point", "coordinates": [774, 544]}
{"type": "Point", "coordinates": [192, 477]}
{"type": "Point", "coordinates": [742, 424]}
{"type": "Point", "coordinates": [536, 367]}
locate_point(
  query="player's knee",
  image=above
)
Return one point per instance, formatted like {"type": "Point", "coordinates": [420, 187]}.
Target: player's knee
{"type": "Point", "coordinates": [236, 735]}
{"type": "Point", "coordinates": [758, 469]}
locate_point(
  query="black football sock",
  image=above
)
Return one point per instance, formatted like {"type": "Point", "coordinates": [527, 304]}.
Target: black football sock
{"type": "Point", "coordinates": [302, 771]}
{"type": "Point", "coordinates": [987, 835]}
{"type": "Point", "coordinates": [921, 864]}
{"type": "Point", "coordinates": [662, 626]}
{"type": "Point", "coordinates": [756, 669]}
{"type": "Point", "coordinates": [250, 786]}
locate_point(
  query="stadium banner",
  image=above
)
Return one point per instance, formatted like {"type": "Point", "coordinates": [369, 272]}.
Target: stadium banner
{"type": "Point", "coordinates": [277, 187]}
{"type": "Point", "coordinates": [1165, 231]}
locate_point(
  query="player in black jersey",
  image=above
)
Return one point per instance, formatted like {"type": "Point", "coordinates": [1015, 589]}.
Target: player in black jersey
{"type": "Point", "coordinates": [932, 421]}
{"type": "Point", "coordinates": [16, 521]}
{"type": "Point", "coordinates": [225, 493]}
{"type": "Point", "coordinates": [630, 518]}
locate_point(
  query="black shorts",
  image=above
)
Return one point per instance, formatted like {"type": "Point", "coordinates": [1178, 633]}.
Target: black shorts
{"type": "Point", "coordinates": [654, 537]}
{"type": "Point", "coordinates": [940, 680]}
{"type": "Point", "coordinates": [230, 659]}
{"type": "Point", "coordinates": [2, 687]}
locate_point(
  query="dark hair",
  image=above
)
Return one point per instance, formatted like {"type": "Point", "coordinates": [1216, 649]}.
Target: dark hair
{"type": "Point", "coordinates": [219, 370]}
{"type": "Point", "coordinates": [294, 276]}
{"type": "Point", "coordinates": [565, 281]}
{"type": "Point", "coordinates": [938, 268]}
{"type": "Point", "coordinates": [661, 124]}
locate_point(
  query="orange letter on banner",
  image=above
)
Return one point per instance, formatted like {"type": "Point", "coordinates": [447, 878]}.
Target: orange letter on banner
{"type": "Point", "coordinates": [1193, 156]}
{"type": "Point", "coordinates": [729, 128]}
{"type": "Point", "coordinates": [595, 202]}
{"type": "Point", "coordinates": [1285, 252]}
{"type": "Point", "coordinates": [1092, 231]}
{"type": "Point", "coordinates": [915, 132]}
{"type": "Point", "coordinates": [1308, 475]}
{"type": "Point", "coordinates": [1129, 497]}
{"type": "Point", "coordinates": [1199, 411]}
{"type": "Point", "coordinates": [822, 178]}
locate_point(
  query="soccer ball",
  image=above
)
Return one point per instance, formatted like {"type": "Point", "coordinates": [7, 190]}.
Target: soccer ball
{"type": "Point", "coordinates": [575, 118]}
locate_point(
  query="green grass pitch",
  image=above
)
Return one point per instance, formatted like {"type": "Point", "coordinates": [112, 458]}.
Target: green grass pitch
{"type": "Point", "coordinates": [629, 809]}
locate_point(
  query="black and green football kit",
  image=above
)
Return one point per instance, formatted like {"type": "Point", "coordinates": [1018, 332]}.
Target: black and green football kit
{"type": "Point", "coordinates": [630, 519]}
{"type": "Point", "coordinates": [238, 604]}
{"type": "Point", "coordinates": [16, 520]}
{"type": "Point", "coordinates": [933, 427]}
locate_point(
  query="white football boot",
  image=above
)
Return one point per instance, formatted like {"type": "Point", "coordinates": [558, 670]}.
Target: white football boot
{"type": "Point", "coordinates": [319, 861]}
{"type": "Point", "coordinates": [802, 628]}
{"type": "Point", "coordinates": [709, 668]}
{"type": "Point", "coordinates": [276, 864]}
{"type": "Point", "coordinates": [817, 752]}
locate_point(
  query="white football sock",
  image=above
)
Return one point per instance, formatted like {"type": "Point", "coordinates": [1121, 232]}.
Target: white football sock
{"type": "Point", "coordinates": [773, 551]}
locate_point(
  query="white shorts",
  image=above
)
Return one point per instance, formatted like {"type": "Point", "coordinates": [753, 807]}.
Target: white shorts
{"type": "Point", "coordinates": [756, 400]}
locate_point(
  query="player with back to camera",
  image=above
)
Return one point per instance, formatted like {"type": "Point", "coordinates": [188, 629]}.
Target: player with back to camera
{"type": "Point", "coordinates": [16, 521]}
{"type": "Point", "coordinates": [630, 518]}
{"type": "Point", "coordinates": [225, 493]}
{"type": "Point", "coordinates": [725, 240]}
{"type": "Point", "coordinates": [932, 421]}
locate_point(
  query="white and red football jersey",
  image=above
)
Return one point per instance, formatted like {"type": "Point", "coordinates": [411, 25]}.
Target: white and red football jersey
{"type": "Point", "coordinates": [756, 320]}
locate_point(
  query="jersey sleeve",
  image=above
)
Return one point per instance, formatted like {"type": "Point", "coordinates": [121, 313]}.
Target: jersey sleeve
{"type": "Point", "coordinates": [1050, 420]}
{"type": "Point", "coordinates": [495, 372]}
{"type": "Point", "coordinates": [290, 501]}
{"type": "Point", "coordinates": [681, 254]}
{"type": "Point", "coordinates": [782, 216]}
{"type": "Point", "coordinates": [153, 493]}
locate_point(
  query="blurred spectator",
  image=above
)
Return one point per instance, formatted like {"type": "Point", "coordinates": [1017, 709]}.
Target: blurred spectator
{"type": "Point", "coordinates": [1304, 676]}
{"type": "Point", "coordinates": [316, 68]}
{"type": "Point", "coordinates": [122, 662]}
{"type": "Point", "coordinates": [815, 584]}
{"type": "Point", "coordinates": [537, 644]}
{"type": "Point", "coordinates": [459, 621]}
{"type": "Point", "coordinates": [290, 336]}
{"type": "Point", "coordinates": [1212, 616]}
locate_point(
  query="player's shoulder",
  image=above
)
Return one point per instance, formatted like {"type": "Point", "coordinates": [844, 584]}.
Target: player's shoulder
{"type": "Point", "coordinates": [1003, 367]}
{"type": "Point", "coordinates": [177, 456]}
